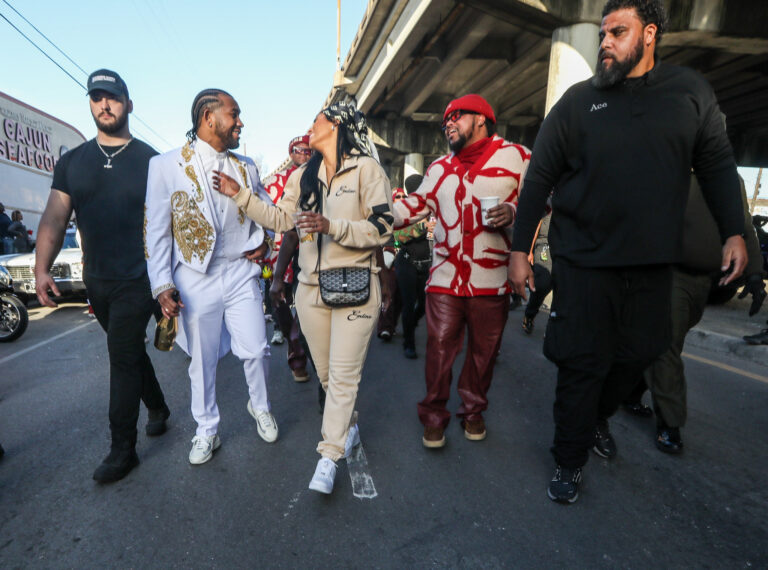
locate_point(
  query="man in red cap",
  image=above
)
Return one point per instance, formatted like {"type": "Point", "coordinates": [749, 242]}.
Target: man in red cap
{"type": "Point", "coordinates": [287, 325]}
{"type": "Point", "coordinates": [467, 286]}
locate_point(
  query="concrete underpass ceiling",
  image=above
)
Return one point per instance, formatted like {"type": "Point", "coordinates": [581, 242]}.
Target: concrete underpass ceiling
{"type": "Point", "coordinates": [500, 49]}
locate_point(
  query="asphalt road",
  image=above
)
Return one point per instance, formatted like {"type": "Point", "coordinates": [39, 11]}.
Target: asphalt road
{"type": "Point", "coordinates": [469, 505]}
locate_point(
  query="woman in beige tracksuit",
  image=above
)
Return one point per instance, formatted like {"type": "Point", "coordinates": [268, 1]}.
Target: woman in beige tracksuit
{"type": "Point", "coordinates": [343, 201]}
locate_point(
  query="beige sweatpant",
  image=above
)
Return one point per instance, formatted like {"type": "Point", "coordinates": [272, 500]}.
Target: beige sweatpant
{"type": "Point", "coordinates": [338, 339]}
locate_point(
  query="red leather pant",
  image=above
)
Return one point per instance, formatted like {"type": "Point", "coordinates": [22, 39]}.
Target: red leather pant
{"type": "Point", "coordinates": [447, 316]}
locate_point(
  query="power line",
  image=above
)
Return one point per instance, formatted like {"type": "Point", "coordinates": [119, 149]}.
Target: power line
{"type": "Point", "coordinates": [46, 37]}
{"type": "Point", "coordinates": [41, 50]}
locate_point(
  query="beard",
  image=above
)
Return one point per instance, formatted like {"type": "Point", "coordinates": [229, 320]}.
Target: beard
{"type": "Point", "coordinates": [228, 137]}
{"type": "Point", "coordinates": [458, 144]}
{"type": "Point", "coordinates": [112, 128]}
{"type": "Point", "coordinates": [618, 71]}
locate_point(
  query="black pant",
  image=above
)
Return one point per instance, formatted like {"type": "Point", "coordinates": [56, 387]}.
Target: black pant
{"type": "Point", "coordinates": [411, 283]}
{"type": "Point", "coordinates": [605, 327]}
{"type": "Point", "coordinates": [542, 279]}
{"type": "Point", "coordinates": [123, 308]}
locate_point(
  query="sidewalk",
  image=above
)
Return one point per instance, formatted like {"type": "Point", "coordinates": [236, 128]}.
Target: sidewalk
{"type": "Point", "coordinates": [722, 327]}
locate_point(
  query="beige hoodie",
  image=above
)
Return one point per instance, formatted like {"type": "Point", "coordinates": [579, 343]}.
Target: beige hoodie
{"type": "Point", "coordinates": [358, 205]}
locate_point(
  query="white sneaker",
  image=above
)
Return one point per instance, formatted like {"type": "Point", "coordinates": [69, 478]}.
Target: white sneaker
{"type": "Point", "coordinates": [278, 337]}
{"type": "Point", "coordinates": [265, 423]}
{"type": "Point", "coordinates": [353, 439]}
{"type": "Point", "coordinates": [325, 473]}
{"type": "Point", "coordinates": [203, 448]}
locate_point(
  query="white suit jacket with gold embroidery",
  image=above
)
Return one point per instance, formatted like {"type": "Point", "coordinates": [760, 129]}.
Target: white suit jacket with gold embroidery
{"type": "Point", "coordinates": [178, 223]}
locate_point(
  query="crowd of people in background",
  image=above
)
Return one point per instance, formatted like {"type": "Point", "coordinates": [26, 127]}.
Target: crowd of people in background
{"type": "Point", "coordinates": [490, 224]}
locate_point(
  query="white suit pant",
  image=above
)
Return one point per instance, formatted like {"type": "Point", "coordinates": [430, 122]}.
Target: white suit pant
{"type": "Point", "coordinates": [221, 306]}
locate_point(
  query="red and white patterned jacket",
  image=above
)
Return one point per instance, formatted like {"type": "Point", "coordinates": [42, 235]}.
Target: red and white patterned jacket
{"type": "Point", "coordinates": [275, 186]}
{"type": "Point", "coordinates": [469, 260]}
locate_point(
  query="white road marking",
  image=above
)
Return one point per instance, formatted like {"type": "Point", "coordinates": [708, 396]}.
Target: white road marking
{"type": "Point", "coordinates": [362, 482]}
{"type": "Point", "coordinates": [44, 342]}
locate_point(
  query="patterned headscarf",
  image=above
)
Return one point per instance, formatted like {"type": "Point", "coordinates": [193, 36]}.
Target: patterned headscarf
{"type": "Point", "coordinates": [354, 120]}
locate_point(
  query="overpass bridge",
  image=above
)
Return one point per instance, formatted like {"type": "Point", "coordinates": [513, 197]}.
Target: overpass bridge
{"type": "Point", "coordinates": [411, 57]}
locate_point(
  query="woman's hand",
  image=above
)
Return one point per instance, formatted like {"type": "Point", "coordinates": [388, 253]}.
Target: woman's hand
{"type": "Point", "coordinates": [225, 184]}
{"type": "Point", "coordinates": [312, 222]}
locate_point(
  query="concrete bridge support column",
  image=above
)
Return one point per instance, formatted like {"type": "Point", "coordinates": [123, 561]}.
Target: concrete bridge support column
{"type": "Point", "coordinates": [414, 164]}
{"type": "Point", "coordinates": [572, 58]}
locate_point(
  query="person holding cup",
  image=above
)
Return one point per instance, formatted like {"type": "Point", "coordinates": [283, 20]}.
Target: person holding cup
{"type": "Point", "coordinates": [473, 193]}
{"type": "Point", "coordinates": [341, 205]}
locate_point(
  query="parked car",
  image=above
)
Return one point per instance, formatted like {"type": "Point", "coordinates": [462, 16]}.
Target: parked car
{"type": "Point", "coordinates": [67, 270]}
{"type": "Point", "coordinates": [13, 314]}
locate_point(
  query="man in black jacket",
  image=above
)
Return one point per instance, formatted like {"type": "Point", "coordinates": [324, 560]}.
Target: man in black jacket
{"type": "Point", "coordinates": [616, 153]}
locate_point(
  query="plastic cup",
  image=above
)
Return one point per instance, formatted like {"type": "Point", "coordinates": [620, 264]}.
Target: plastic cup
{"type": "Point", "coordinates": [486, 203]}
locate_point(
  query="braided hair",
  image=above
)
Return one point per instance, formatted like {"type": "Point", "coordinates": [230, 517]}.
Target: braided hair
{"type": "Point", "coordinates": [206, 99]}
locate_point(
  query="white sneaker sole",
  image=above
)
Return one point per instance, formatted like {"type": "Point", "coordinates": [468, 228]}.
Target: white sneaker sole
{"type": "Point", "coordinates": [321, 486]}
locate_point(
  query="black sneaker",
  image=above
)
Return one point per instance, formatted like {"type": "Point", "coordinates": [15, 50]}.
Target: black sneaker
{"type": "Point", "coordinates": [668, 440]}
{"type": "Point", "coordinates": [116, 465]}
{"type": "Point", "coordinates": [564, 486]}
{"type": "Point", "coordinates": [604, 446]}
{"type": "Point", "coordinates": [528, 324]}
{"type": "Point", "coordinates": [409, 352]}
{"type": "Point", "coordinates": [156, 421]}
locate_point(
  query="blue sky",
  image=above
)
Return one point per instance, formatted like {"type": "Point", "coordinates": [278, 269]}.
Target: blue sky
{"type": "Point", "coordinates": [276, 58]}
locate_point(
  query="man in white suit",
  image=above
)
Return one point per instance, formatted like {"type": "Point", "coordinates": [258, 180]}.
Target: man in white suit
{"type": "Point", "coordinates": [199, 244]}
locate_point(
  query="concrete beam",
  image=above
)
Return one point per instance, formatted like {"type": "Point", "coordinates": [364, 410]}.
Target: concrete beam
{"type": "Point", "coordinates": [466, 41]}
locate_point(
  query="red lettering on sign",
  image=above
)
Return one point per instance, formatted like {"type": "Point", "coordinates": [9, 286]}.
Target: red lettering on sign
{"type": "Point", "coordinates": [3, 150]}
{"type": "Point", "coordinates": [49, 163]}
{"type": "Point", "coordinates": [22, 158]}
{"type": "Point", "coordinates": [39, 159]}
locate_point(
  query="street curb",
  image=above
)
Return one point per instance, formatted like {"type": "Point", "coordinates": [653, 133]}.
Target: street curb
{"type": "Point", "coordinates": [726, 344]}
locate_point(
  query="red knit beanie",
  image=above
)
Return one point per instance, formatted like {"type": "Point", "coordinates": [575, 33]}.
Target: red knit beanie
{"type": "Point", "coordinates": [473, 103]}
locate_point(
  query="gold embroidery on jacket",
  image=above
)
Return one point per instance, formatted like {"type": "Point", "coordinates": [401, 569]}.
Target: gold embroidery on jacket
{"type": "Point", "coordinates": [146, 253]}
{"type": "Point", "coordinates": [189, 170]}
{"type": "Point", "coordinates": [244, 175]}
{"type": "Point", "coordinates": [193, 234]}
{"type": "Point", "coordinates": [187, 152]}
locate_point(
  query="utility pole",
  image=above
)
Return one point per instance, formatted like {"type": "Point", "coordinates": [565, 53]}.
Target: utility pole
{"type": "Point", "coordinates": [338, 35]}
{"type": "Point", "coordinates": [756, 192]}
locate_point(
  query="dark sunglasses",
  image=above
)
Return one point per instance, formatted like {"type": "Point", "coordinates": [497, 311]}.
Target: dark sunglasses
{"type": "Point", "coordinates": [454, 116]}
{"type": "Point", "coordinates": [298, 150]}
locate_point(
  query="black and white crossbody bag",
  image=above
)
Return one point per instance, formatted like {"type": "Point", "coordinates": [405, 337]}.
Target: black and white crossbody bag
{"type": "Point", "coordinates": [345, 286]}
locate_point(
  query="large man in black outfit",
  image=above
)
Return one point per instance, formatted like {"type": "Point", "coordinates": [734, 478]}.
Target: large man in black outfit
{"type": "Point", "coordinates": [616, 151]}
{"type": "Point", "coordinates": [104, 180]}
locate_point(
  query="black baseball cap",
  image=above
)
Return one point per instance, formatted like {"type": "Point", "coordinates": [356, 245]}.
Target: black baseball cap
{"type": "Point", "coordinates": [108, 81]}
